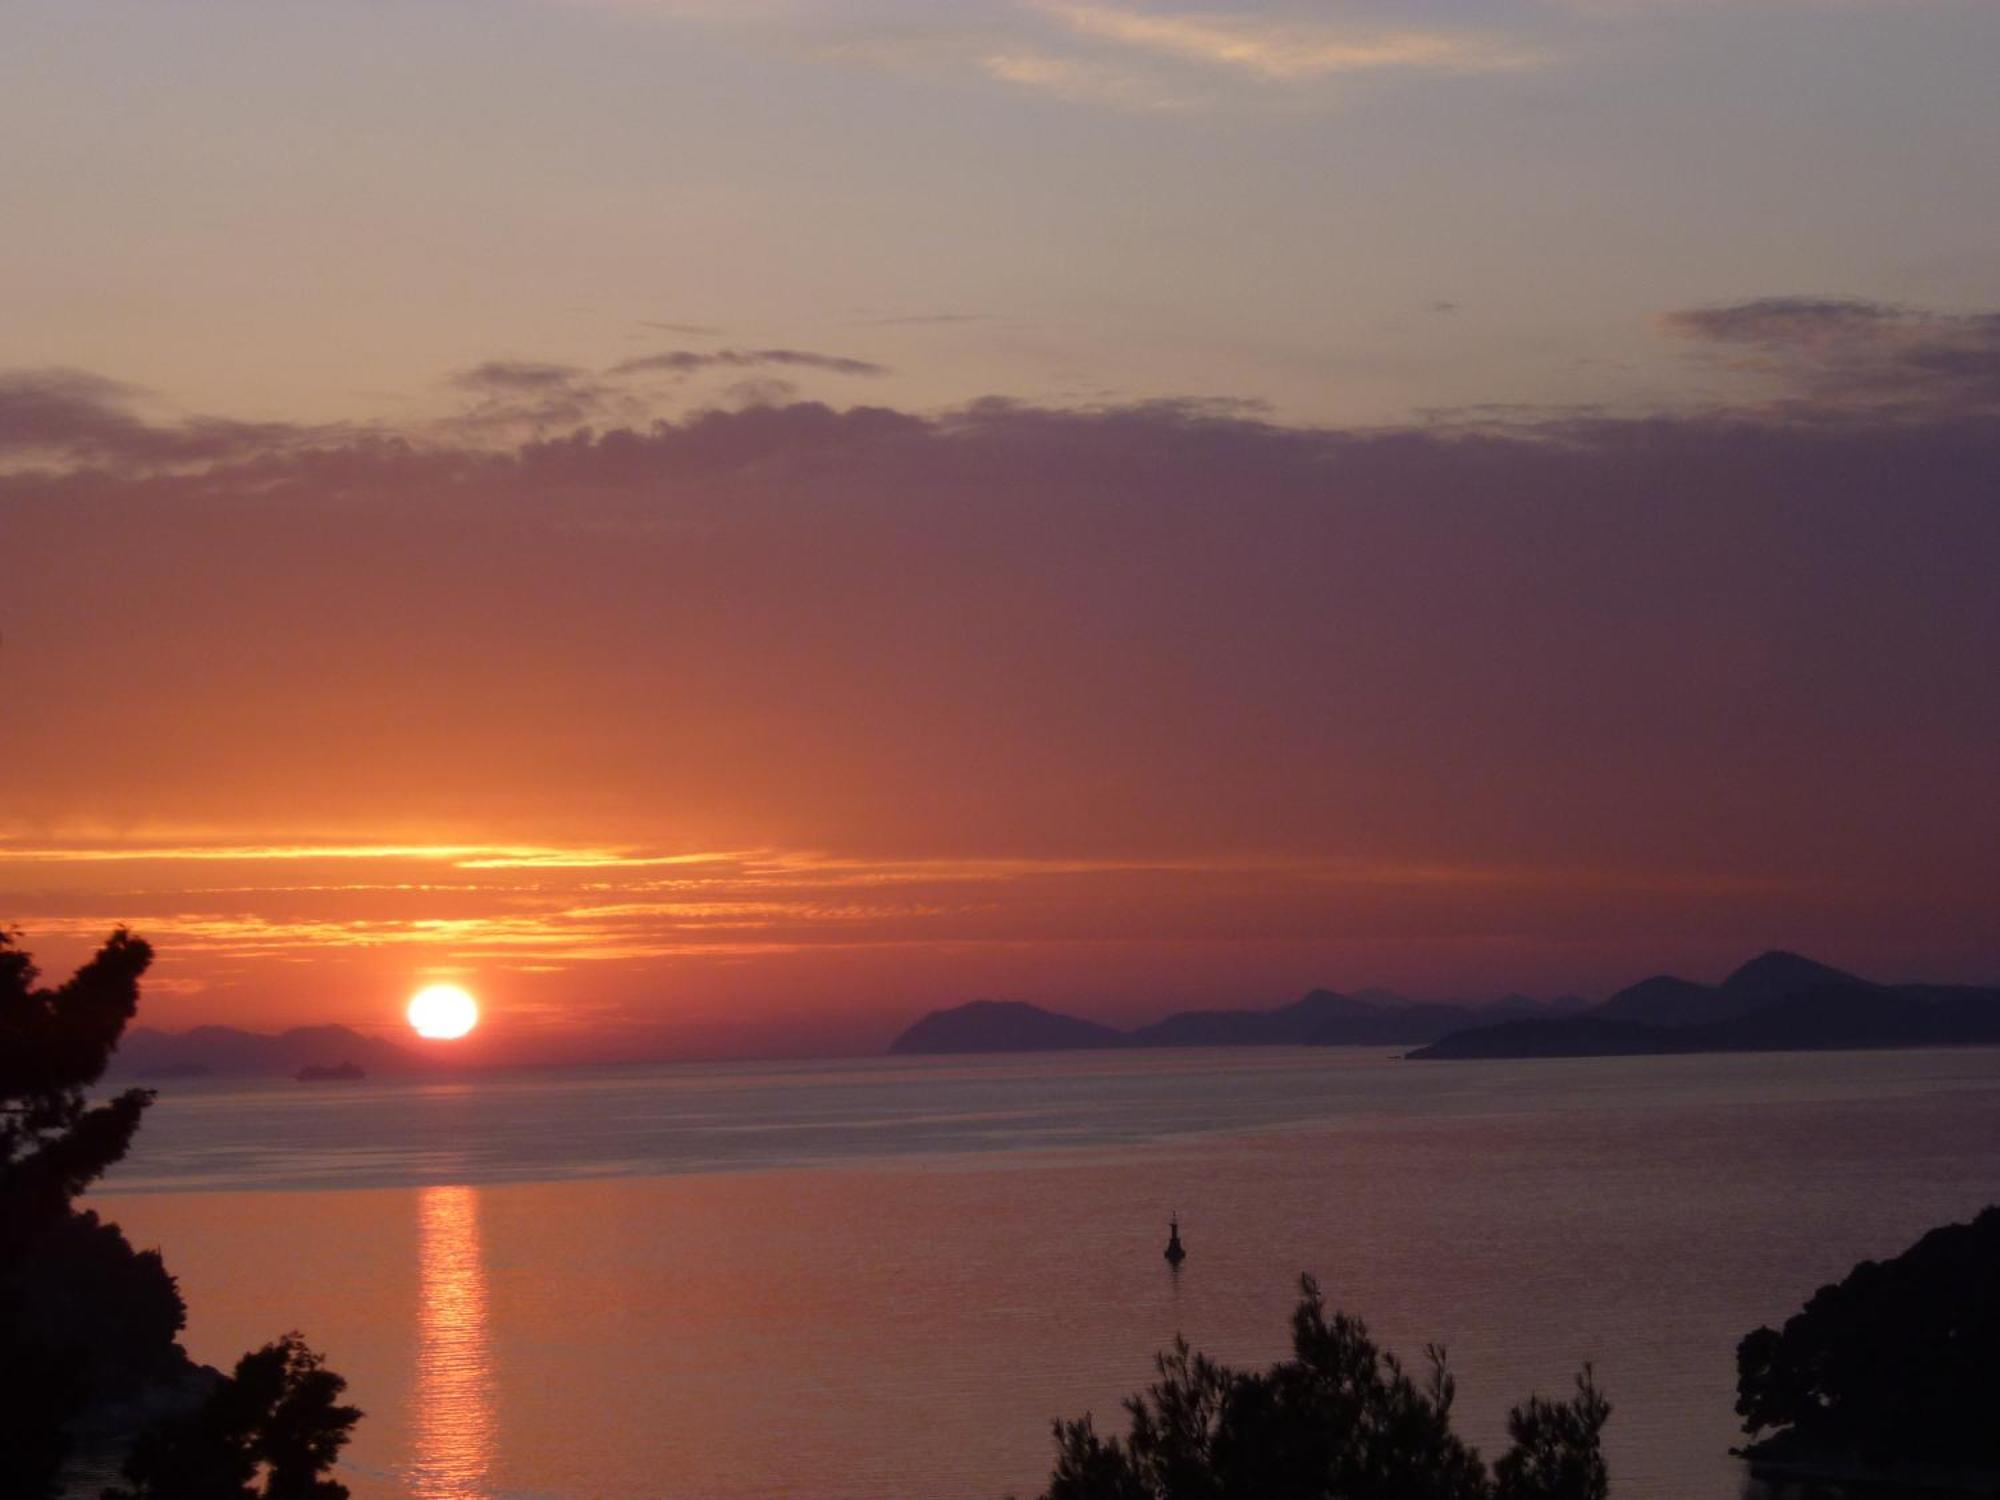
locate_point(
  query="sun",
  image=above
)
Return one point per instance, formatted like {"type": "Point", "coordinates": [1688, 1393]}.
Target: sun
{"type": "Point", "coordinates": [443, 1012]}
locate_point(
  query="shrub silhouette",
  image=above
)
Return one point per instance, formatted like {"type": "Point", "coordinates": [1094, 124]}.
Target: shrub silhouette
{"type": "Point", "coordinates": [1340, 1420]}
{"type": "Point", "coordinates": [1897, 1363]}
{"type": "Point", "coordinates": [85, 1319]}
{"type": "Point", "coordinates": [279, 1414]}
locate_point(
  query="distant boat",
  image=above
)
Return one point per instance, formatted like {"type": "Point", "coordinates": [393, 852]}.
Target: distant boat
{"type": "Point", "coordinates": [1176, 1252]}
{"type": "Point", "coordinates": [345, 1072]}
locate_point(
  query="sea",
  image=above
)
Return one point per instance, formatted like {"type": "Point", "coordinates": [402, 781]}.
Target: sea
{"type": "Point", "coordinates": [882, 1279]}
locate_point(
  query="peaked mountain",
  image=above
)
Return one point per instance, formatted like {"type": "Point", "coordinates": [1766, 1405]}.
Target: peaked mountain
{"type": "Point", "coordinates": [1776, 1002]}
{"type": "Point", "coordinates": [146, 1053]}
{"type": "Point", "coordinates": [1777, 975]}
{"type": "Point", "coordinates": [1665, 1000]}
{"type": "Point", "coordinates": [1002, 1026]}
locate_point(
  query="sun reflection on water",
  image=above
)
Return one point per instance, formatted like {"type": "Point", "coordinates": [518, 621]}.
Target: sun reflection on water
{"type": "Point", "coordinates": [453, 1410]}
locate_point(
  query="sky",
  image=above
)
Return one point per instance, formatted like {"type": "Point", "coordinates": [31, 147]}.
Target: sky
{"type": "Point", "coordinates": [722, 527]}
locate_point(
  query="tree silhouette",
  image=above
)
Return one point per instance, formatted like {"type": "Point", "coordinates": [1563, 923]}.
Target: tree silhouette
{"type": "Point", "coordinates": [1897, 1363]}
{"type": "Point", "coordinates": [54, 1044]}
{"type": "Point", "coordinates": [1340, 1420]}
{"type": "Point", "coordinates": [83, 1315]}
{"type": "Point", "coordinates": [1555, 1453]}
{"type": "Point", "coordinates": [85, 1319]}
{"type": "Point", "coordinates": [278, 1416]}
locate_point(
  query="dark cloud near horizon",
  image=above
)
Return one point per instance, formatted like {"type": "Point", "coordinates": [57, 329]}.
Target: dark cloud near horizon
{"type": "Point", "coordinates": [516, 396]}
{"type": "Point", "coordinates": [1838, 353]}
{"type": "Point", "coordinates": [682, 362]}
{"type": "Point", "coordinates": [77, 417]}
{"type": "Point", "coordinates": [519, 397]}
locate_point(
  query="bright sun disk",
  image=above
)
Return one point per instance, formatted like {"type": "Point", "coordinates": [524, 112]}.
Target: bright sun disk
{"type": "Point", "coordinates": [443, 1012]}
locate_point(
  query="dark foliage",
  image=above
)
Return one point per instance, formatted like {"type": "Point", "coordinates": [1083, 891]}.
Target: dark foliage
{"type": "Point", "coordinates": [54, 1044]}
{"type": "Point", "coordinates": [41, 1388]}
{"type": "Point", "coordinates": [1898, 1363]}
{"type": "Point", "coordinates": [1340, 1420]}
{"type": "Point", "coordinates": [82, 1314]}
{"type": "Point", "coordinates": [84, 1317]}
{"type": "Point", "coordinates": [1555, 1453]}
{"type": "Point", "coordinates": [278, 1418]}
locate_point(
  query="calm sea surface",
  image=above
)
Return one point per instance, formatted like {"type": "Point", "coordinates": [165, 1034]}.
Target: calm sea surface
{"type": "Point", "coordinates": [882, 1279]}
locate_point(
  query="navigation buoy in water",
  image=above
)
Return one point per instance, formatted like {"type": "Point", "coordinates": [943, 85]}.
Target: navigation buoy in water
{"type": "Point", "coordinates": [1176, 1253]}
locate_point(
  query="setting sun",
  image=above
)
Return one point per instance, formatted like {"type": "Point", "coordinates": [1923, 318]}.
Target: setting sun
{"type": "Point", "coordinates": [443, 1012]}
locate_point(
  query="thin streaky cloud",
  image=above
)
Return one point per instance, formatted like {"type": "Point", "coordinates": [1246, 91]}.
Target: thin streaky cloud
{"type": "Point", "coordinates": [1113, 56]}
{"type": "Point", "coordinates": [1083, 80]}
{"type": "Point", "coordinates": [819, 869]}
{"type": "Point", "coordinates": [460, 856]}
{"type": "Point", "coordinates": [517, 376]}
{"type": "Point", "coordinates": [756, 902]}
{"type": "Point", "coordinates": [1286, 51]}
{"type": "Point", "coordinates": [692, 361]}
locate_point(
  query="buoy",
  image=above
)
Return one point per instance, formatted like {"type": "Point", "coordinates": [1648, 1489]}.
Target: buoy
{"type": "Point", "coordinates": [1176, 1252]}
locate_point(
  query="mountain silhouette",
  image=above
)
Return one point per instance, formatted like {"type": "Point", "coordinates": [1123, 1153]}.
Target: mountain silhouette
{"type": "Point", "coordinates": [1002, 1026]}
{"type": "Point", "coordinates": [1285, 1026]}
{"type": "Point", "coordinates": [1319, 1018]}
{"type": "Point", "coordinates": [146, 1053]}
{"type": "Point", "coordinates": [1776, 1002]}
{"type": "Point", "coordinates": [1777, 975]}
{"type": "Point", "coordinates": [1664, 1000]}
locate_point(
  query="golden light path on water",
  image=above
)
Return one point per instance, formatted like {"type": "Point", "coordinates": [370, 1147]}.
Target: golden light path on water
{"type": "Point", "coordinates": [452, 1412]}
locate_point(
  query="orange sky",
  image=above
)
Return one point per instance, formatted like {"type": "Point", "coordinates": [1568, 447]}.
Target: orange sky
{"type": "Point", "coordinates": [725, 524]}
{"type": "Point", "coordinates": [766, 731]}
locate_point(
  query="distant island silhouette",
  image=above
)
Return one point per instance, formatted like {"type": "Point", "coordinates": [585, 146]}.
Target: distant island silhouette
{"type": "Point", "coordinates": [1319, 1018]}
{"type": "Point", "coordinates": [323, 1051]}
{"type": "Point", "coordinates": [1776, 1002]}
{"type": "Point", "coordinates": [342, 1072]}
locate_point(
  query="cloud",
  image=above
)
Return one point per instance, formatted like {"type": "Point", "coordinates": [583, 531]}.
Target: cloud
{"type": "Point", "coordinates": [510, 376]}
{"type": "Point", "coordinates": [689, 330]}
{"type": "Point", "coordinates": [1116, 56]}
{"type": "Point", "coordinates": [515, 397]}
{"type": "Point", "coordinates": [762, 390]}
{"type": "Point", "coordinates": [1286, 50]}
{"type": "Point", "coordinates": [1085, 80]}
{"type": "Point", "coordinates": [1834, 354]}
{"type": "Point", "coordinates": [681, 362]}
{"type": "Point", "coordinates": [72, 417]}
{"type": "Point", "coordinates": [310, 901]}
